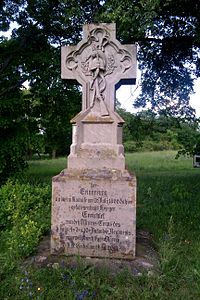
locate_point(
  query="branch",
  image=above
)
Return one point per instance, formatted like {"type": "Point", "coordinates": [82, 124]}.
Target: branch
{"type": "Point", "coordinates": [8, 60]}
{"type": "Point", "coordinates": [12, 87]}
{"type": "Point", "coordinates": [144, 39]}
{"type": "Point", "coordinates": [22, 42]}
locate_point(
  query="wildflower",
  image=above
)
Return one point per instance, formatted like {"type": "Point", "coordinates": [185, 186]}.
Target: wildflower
{"type": "Point", "coordinates": [72, 283]}
{"type": "Point", "coordinates": [65, 277]}
{"type": "Point", "coordinates": [39, 289]}
{"type": "Point", "coordinates": [94, 294]}
{"type": "Point", "coordinates": [187, 242]}
{"type": "Point", "coordinates": [82, 295]}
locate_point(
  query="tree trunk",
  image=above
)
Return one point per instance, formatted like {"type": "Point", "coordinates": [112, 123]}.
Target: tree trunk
{"type": "Point", "coordinates": [53, 153]}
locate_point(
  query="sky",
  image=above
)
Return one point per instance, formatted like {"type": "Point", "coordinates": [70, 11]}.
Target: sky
{"type": "Point", "coordinates": [127, 94]}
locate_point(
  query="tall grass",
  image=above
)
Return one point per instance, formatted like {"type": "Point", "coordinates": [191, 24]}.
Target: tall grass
{"type": "Point", "coordinates": [161, 161]}
{"type": "Point", "coordinates": [168, 205]}
{"type": "Point", "coordinates": [44, 170]}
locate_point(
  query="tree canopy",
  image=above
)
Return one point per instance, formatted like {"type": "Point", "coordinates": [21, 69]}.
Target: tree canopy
{"type": "Point", "coordinates": [167, 32]}
{"type": "Point", "coordinates": [168, 37]}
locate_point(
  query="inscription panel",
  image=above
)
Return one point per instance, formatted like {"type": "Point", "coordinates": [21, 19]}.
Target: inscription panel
{"type": "Point", "coordinates": [92, 134]}
{"type": "Point", "coordinates": [94, 217]}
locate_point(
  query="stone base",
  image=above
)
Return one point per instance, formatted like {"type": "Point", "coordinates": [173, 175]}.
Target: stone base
{"type": "Point", "coordinates": [102, 159]}
{"type": "Point", "coordinates": [145, 262]}
{"type": "Point", "coordinates": [94, 213]}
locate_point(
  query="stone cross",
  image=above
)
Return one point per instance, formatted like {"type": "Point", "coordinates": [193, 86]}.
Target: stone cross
{"type": "Point", "coordinates": [94, 198]}
{"type": "Point", "coordinates": [99, 62]}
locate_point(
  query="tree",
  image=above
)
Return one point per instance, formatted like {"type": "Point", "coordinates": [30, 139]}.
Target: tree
{"type": "Point", "coordinates": [137, 126]}
{"type": "Point", "coordinates": [32, 53]}
{"type": "Point", "coordinates": [55, 104]}
{"type": "Point", "coordinates": [168, 34]}
{"type": "Point", "coordinates": [146, 130]}
{"type": "Point", "coordinates": [188, 136]}
{"type": "Point", "coordinates": [14, 124]}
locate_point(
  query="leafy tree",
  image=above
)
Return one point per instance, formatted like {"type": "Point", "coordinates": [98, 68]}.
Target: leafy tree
{"type": "Point", "coordinates": [32, 53]}
{"type": "Point", "coordinates": [168, 35]}
{"type": "Point", "coordinates": [188, 136]}
{"type": "Point", "coordinates": [146, 125]}
{"type": "Point", "coordinates": [147, 130]}
{"type": "Point", "coordinates": [14, 127]}
{"type": "Point", "coordinates": [55, 104]}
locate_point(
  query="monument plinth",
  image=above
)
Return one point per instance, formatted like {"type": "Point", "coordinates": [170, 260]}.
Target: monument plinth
{"type": "Point", "coordinates": [94, 199]}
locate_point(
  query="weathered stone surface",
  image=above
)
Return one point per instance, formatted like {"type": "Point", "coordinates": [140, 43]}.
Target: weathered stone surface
{"type": "Point", "coordinates": [98, 63]}
{"type": "Point", "coordinates": [93, 213]}
{"type": "Point", "coordinates": [97, 141]}
{"type": "Point", "coordinates": [146, 259]}
{"type": "Point", "coordinates": [94, 199]}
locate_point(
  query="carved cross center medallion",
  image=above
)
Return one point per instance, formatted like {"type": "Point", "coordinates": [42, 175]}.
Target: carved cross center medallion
{"type": "Point", "coordinates": [98, 63]}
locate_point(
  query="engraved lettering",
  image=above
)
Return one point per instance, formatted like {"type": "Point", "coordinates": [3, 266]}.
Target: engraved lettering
{"type": "Point", "coordinates": [85, 214]}
{"type": "Point", "coordinates": [85, 192]}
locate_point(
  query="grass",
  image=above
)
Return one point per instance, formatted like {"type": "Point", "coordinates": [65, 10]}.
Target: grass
{"type": "Point", "coordinates": [168, 205]}
{"type": "Point", "coordinates": [139, 162]}
{"type": "Point", "coordinates": [44, 170]}
{"type": "Point", "coordinates": [163, 161]}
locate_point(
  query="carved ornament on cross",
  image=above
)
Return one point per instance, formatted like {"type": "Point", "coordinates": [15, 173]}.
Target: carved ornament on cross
{"type": "Point", "coordinates": [99, 62]}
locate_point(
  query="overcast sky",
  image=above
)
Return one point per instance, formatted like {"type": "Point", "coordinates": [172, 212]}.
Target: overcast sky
{"type": "Point", "coordinates": [127, 94]}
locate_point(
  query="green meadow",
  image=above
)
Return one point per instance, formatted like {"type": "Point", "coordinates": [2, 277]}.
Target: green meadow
{"type": "Point", "coordinates": [168, 206]}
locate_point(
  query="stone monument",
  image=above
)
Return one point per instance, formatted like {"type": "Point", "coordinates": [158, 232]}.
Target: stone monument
{"type": "Point", "coordinates": [94, 199]}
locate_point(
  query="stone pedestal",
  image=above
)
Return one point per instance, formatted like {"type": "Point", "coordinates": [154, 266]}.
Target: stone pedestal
{"type": "Point", "coordinates": [93, 213]}
{"type": "Point", "coordinates": [97, 141]}
{"type": "Point", "coordinates": [94, 199]}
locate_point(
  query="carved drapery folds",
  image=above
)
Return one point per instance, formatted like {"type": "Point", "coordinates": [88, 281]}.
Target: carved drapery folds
{"type": "Point", "coordinates": [98, 60]}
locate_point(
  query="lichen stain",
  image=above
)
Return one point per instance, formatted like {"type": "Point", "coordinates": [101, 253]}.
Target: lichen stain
{"type": "Point", "coordinates": [113, 248]}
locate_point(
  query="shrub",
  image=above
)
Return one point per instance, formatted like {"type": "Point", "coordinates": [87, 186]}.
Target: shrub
{"type": "Point", "coordinates": [24, 216]}
{"type": "Point", "coordinates": [150, 145]}
{"type": "Point", "coordinates": [132, 146]}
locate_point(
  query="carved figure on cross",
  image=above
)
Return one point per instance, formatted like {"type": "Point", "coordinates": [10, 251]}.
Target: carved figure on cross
{"type": "Point", "coordinates": [97, 66]}
{"type": "Point", "coordinates": [99, 63]}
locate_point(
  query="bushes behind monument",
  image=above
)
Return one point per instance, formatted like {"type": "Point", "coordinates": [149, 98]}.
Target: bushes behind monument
{"type": "Point", "coordinates": [150, 145]}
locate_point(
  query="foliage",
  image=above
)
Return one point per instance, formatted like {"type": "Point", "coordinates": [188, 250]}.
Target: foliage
{"type": "Point", "coordinates": [14, 132]}
{"type": "Point", "coordinates": [150, 145]}
{"type": "Point", "coordinates": [24, 218]}
{"type": "Point", "coordinates": [147, 131]}
{"type": "Point", "coordinates": [32, 53]}
{"type": "Point", "coordinates": [55, 104]}
{"type": "Point", "coordinates": [189, 138]}
{"type": "Point", "coordinates": [168, 34]}
{"type": "Point", "coordinates": [167, 206]}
